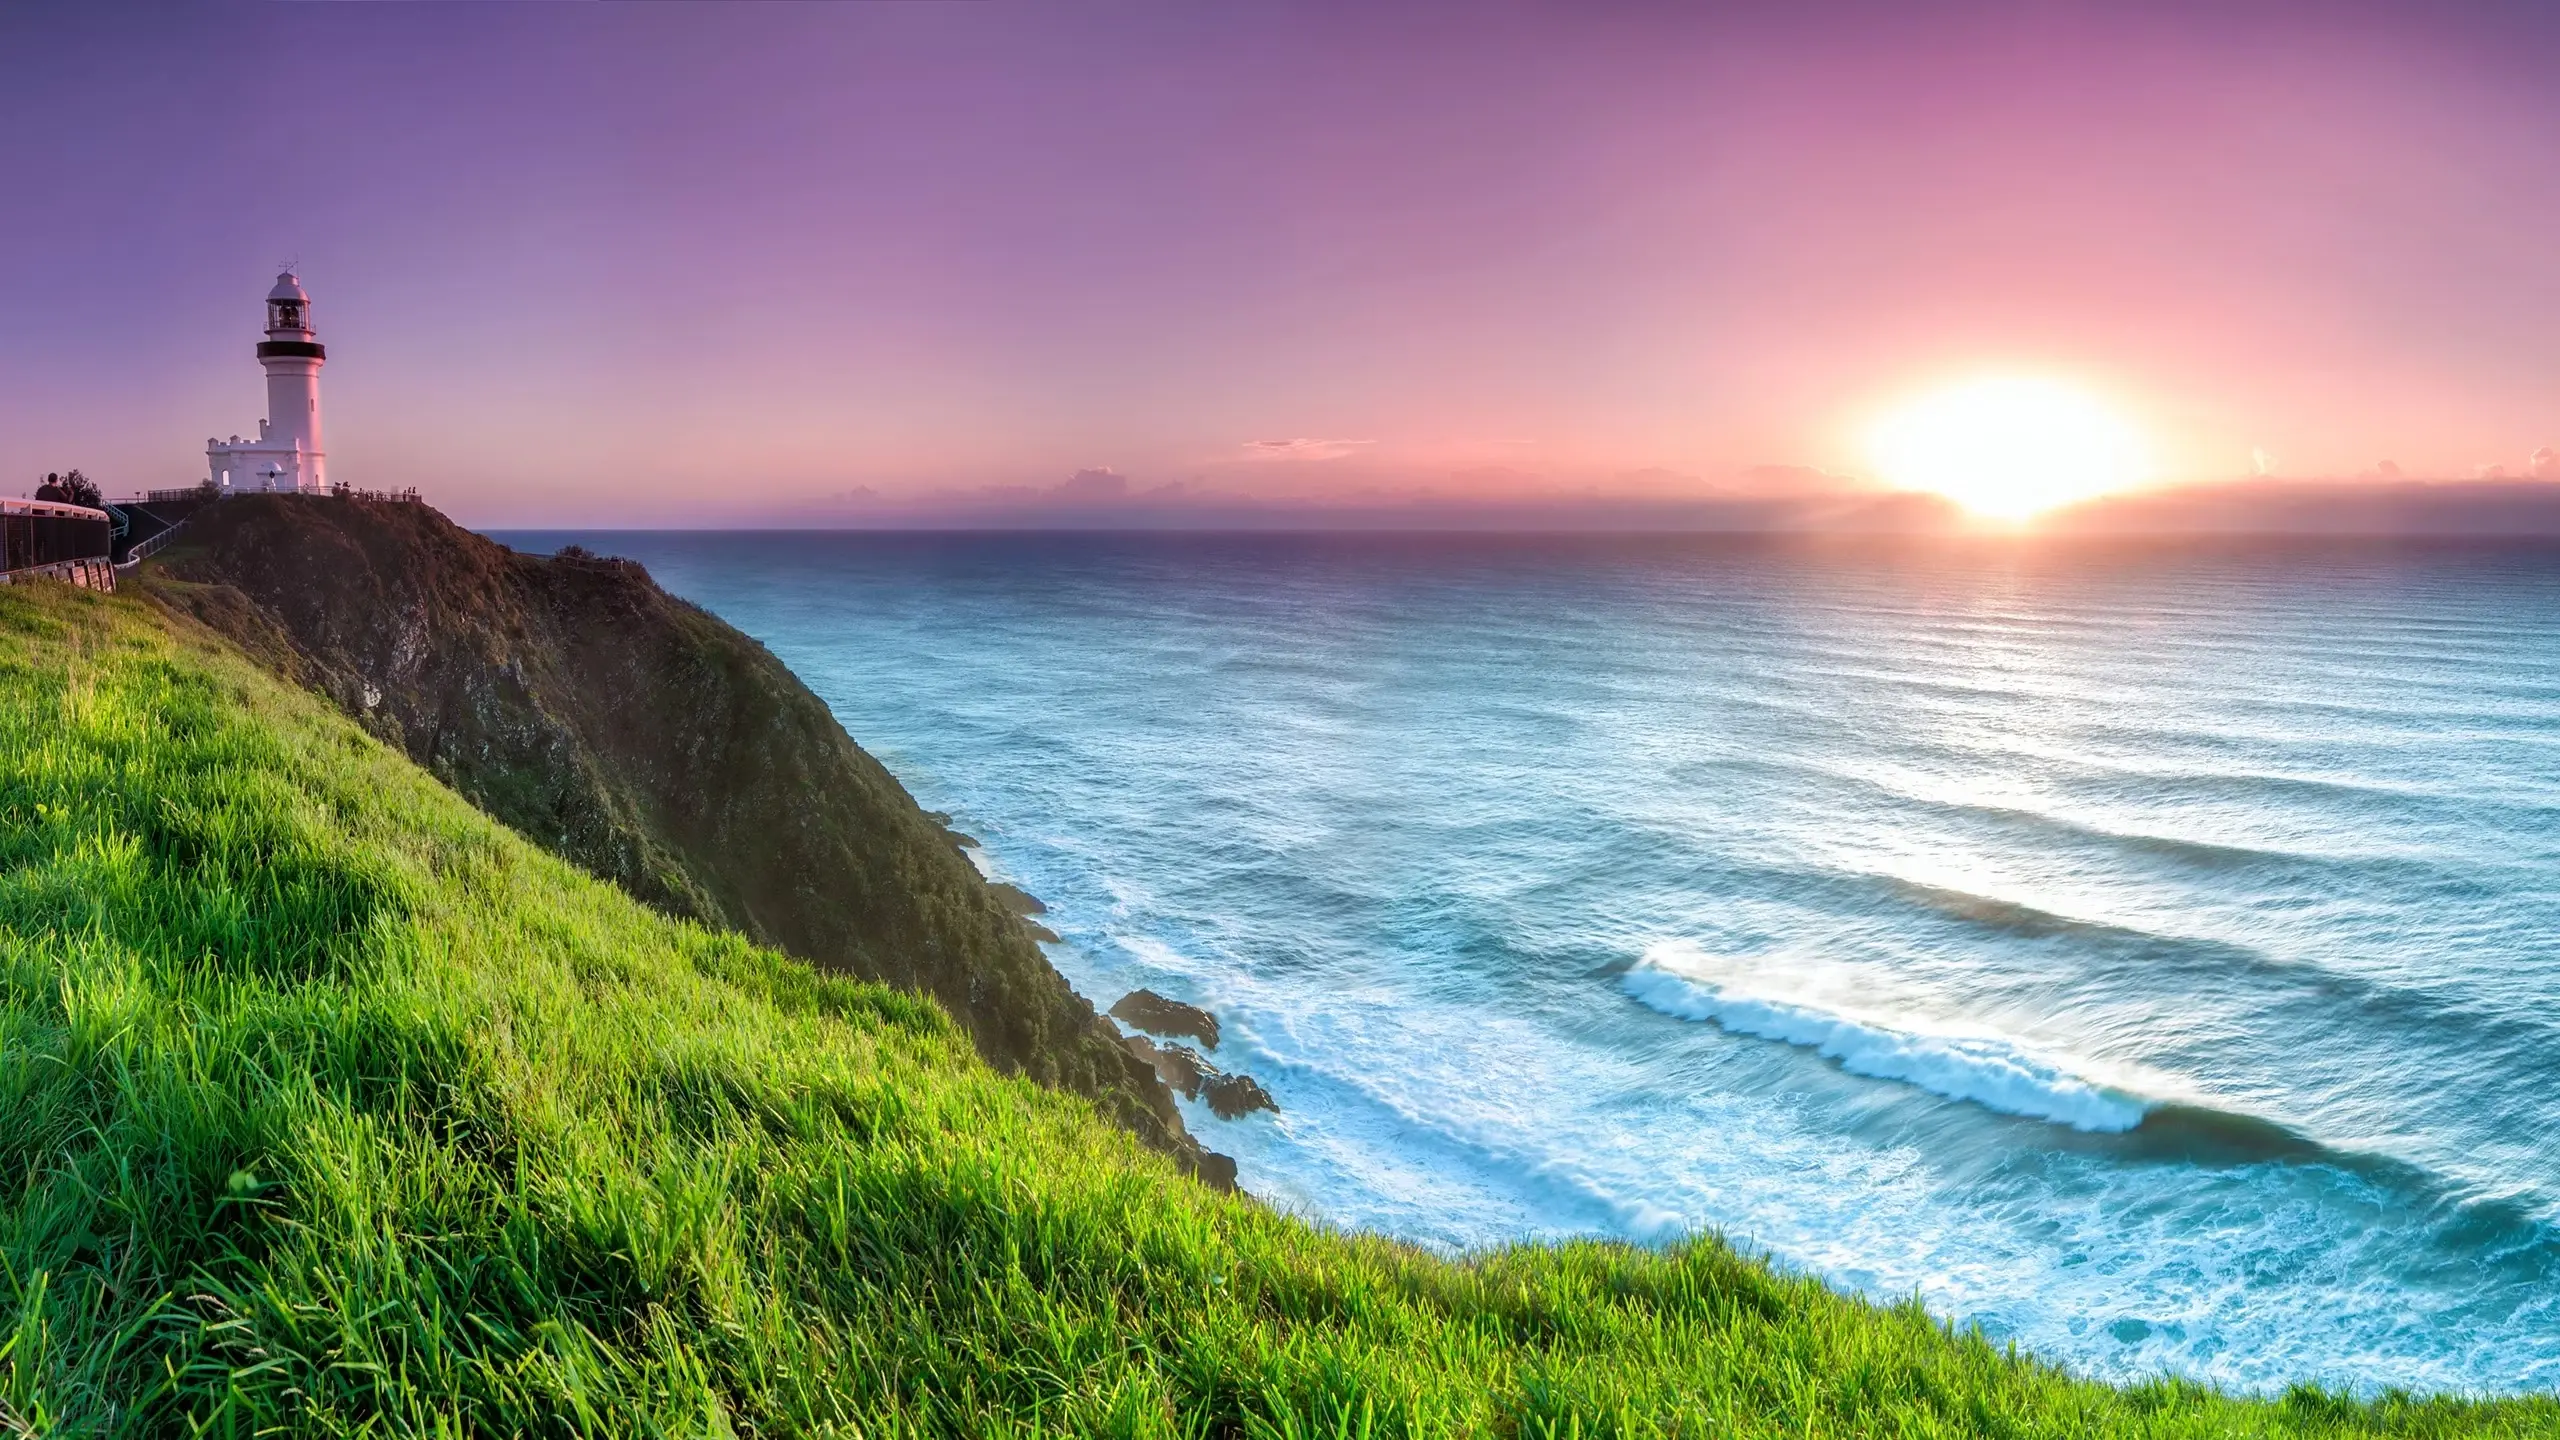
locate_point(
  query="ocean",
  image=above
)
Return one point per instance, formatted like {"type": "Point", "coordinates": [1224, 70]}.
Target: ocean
{"type": "Point", "coordinates": [2147, 952]}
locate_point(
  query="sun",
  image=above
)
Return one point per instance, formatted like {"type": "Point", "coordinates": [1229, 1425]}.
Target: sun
{"type": "Point", "coordinates": [2008, 446]}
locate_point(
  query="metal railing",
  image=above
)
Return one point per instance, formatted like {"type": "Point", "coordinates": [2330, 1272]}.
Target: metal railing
{"type": "Point", "coordinates": [150, 547]}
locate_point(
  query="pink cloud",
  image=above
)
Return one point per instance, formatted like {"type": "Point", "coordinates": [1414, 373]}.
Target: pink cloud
{"type": "Point", "coordinates": [1302, 448]}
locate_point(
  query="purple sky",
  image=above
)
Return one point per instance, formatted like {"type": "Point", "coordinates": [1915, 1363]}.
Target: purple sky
{"type": "Point", "coordinates": [663, 264]}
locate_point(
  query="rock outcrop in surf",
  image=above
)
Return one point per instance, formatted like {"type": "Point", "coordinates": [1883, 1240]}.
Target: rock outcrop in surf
{"type": "Point", "coordinates": [1158, 1015]}
{"type": "Point", "coordinates": [1228, 1096]}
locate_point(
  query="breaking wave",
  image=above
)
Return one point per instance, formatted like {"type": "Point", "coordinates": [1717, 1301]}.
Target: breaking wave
{"type": "Point", "coordinates": [1988, 1071]}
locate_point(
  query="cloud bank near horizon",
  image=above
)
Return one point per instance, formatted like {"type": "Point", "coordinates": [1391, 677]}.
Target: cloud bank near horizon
{"type": "Point", "coordinates": [2487, 506]}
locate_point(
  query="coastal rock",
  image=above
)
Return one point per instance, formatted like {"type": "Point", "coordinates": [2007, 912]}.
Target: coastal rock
{"type": "Point", "coordinates": [1216, 1170]}
{"type": "Point", "coordinates": [1157, 1015]}
{"type": "Point", "coordinates": [1179, 1066]}
{"type": "Point", "coordinates": [1231, 1096]}
{"type": "Point", "coordinates": [1017, 899]}
{"type": "Point", "coordinates": [1183, 1069]}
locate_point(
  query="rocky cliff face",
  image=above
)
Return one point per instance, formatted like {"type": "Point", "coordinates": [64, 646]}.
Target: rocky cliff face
{"type": "Point", "coordinates": [654, 745]}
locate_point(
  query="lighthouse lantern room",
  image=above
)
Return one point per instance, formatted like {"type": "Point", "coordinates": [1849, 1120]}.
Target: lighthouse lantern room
{"type": "Point", "coordinates": [287, 454]}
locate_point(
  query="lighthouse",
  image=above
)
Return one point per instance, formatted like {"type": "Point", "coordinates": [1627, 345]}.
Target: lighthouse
{"type": "Point", "coordinates": [287, 455]}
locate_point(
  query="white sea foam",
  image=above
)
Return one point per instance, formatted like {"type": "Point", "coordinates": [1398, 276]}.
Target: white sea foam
{"type": "Point", "coordinates": [1995, 1073]}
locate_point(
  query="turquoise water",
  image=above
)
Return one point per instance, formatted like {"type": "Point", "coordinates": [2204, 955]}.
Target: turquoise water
{"type": "Point", "coordinates": [2149, 954]}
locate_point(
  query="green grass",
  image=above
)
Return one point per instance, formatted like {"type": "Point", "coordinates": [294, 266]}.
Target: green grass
{"type": "Point", "coordinates": [328, 1106]}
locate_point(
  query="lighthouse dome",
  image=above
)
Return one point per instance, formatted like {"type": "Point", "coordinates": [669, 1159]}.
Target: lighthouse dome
{"type": "Point", "coordinates": [288, 288]}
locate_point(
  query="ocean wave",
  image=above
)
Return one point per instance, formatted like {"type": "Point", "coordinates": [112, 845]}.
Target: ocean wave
{"type": "Point", "coordinates": [2450, 1012]}
{"type": "Point", "coordinates": [2204, 855]}
{"type": "Point", "coordinates": [2201, 1135]}
{"type": "Point", "coordinates": [1994, 1073]}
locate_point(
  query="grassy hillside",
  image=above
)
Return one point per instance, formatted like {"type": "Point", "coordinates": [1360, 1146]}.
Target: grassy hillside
{"type": "Point", "coordinates": [330, 1106]}
{"type": "Point", "coordinates": [654, 745]}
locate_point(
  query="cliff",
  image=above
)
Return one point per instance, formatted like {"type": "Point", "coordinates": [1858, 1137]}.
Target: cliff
{"type": "Point", "coordinates": [655, 746]}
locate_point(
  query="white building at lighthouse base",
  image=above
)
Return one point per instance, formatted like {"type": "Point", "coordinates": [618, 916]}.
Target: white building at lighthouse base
{"type": "Point", "coordinates": [266, 463]}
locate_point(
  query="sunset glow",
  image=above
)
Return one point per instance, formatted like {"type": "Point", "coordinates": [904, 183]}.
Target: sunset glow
{"type": "Point", "coordinates": [2009, 447]}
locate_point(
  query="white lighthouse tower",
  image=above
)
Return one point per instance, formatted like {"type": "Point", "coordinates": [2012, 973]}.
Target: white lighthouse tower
{"type": "Point", "coordinates": [287, 454]}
